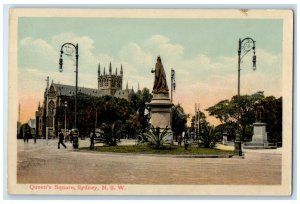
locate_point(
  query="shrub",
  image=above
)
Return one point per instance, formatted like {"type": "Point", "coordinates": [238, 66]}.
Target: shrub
{"type": "Point", "coordinates": [209, 136]}
{"type": "Point", "coordinates": [157, 138]}
{"type": "Point", "coordinates": [111, 133]}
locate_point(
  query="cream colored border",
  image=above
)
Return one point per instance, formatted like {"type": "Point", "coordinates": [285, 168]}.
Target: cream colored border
{"type": "Point", "coordinates": [285, 15]}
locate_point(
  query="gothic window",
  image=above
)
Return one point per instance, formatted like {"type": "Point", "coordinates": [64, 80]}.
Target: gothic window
{"type": "Point", "coordinates": [51, 107]}
{"type": "Point", "coordinates": [40, 124]}
{"type": "Point", "coordinates": [118, 84]}
{"type": "Point", "coordinates": [51, 92]}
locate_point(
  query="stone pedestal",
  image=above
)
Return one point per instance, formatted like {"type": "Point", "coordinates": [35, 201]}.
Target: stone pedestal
{"type": "Point", "coordinates": [224, 141]}
{"type": "Point", "coordinates": [160, 106]}
{"type": "Point", "coordinates": [160, 111]}
{"type": "Point", "coordinates": [259, 138]}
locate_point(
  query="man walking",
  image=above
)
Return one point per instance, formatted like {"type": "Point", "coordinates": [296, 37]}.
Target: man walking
{"type": "Point", "coordinates": [186, 140]}
{"type": "Point", "coordinates": [27, 135]}
{"type": "Point", "coordinates": [92, 138]}
{"type": "Point", "coordinates": [61, 139]}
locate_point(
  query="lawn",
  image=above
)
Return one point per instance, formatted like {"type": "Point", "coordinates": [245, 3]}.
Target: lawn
{"type": "Point", "coordinates": [170, 149]}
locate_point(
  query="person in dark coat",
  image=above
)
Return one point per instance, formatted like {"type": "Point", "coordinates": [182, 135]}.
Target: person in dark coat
{"type": "Point", "coordinates": [24, 134]}
{"type": "Point", "coordinates": [186, 140]}
{"type": "Point", "coordinates": [61, 139]}
{"type": "Point", "coordinates": [92, 138]}
{"type": "Point", "coordinates": [27, 135]}
{"type": "Point", "coordinates": [71, 137]}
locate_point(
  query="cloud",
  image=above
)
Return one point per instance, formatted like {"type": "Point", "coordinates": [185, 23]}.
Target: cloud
{"type": "Point", "coordinates": [36, 52]}
{"type": "Point", "coordinates": [159, 44]}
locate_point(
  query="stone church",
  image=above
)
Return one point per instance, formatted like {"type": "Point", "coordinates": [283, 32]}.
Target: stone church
{"type": "Point", "coordinates": [108, 84]}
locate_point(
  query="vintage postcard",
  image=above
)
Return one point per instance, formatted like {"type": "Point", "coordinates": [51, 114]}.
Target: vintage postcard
{"type": "Point", "coordinates": [150, 102]}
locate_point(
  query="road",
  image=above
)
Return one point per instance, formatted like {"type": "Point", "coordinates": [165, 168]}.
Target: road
{"type": "Point", "coordinates": [41, 163]}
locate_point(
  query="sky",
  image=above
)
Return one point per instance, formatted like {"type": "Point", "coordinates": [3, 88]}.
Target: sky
{"type": "Point", "coordinates": [203, 53]}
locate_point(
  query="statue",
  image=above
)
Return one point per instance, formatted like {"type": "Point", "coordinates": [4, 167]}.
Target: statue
{"type": "Point", "coordinates": [160, 82]}
{"type": "Point", "coordinates": [259, 112]}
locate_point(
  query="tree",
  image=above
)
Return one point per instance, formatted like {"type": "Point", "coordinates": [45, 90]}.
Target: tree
{"type": "Point", "coordinates": [223, 110]}
{"type": "Point", "coordinates": [134, 113]}
{"type": "Point", "coordinates": [272, 116]}
{"type": "Point", "coordinates": [179, 119]}
{"type": "Point", "coordinates": [246, 106]}
{"type": "Point", "coordinates": [133, 126]}
{"type": "Point", "coordinates": [228, 128]}
{"type": "Point", "coordinates": [139, 101]}
{"type": "Point", "coordinates": [107, 109]}
{"type": "Point", "coordinates": [239, 110]}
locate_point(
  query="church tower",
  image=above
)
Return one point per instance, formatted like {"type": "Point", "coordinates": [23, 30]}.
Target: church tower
{"type": "Point", "coordinates": [110, 83]}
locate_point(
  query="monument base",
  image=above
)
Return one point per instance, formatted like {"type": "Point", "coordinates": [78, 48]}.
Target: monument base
{"type": "Point", "coordinates": [259, 138]}
{"type": "Point", "coordinates": [224, 141]}
{"type": "Point", "coordinates": [160, 106]}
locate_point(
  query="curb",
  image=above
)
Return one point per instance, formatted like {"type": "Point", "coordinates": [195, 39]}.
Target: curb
{"type": "Point", "coordinates": [162, 155]}
{"type": "Point", "coordinates": [204, 156]}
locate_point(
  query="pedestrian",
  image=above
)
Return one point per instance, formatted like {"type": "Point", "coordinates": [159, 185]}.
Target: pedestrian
{"type": "Point", "coordinates": [71, 136]}
{"type": "Point", "coordinates": [61, 139]}
{"type": "Point", "coordinates": [27, 135]}
{"type": "Point", "coordinates": [92, 138]}
{"type": "Point", "coordinates": [182, 137]}
{"type": "Point", "coordinates": [186, 140]}
{"type": "Point", "coordinates": [179, 140]}
{"type": "Point", "coordinates": [24, 134]}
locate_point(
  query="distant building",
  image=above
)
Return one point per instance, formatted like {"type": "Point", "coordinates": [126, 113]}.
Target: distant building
{"type": "Point", "coordinates": [108, 84]}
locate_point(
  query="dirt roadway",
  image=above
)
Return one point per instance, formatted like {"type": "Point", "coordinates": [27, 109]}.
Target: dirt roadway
{"type": "Point", "coordinates": [41, 163]}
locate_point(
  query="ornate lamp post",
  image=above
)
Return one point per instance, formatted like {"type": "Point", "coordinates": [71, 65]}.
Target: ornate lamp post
{"type": "Point", "coordinates": [68, 49]}
{"type": "Point", "coordinates": [245, 46]}
{"type": "Point", "coordinates": [96, 121]}
{"type": "Point", "coordinates": [66, 106]}
{"type": "Point", "coordinates": [173, 84]}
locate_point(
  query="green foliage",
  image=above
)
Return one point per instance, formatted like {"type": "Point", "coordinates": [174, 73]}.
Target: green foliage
{"type": "Point", "coordinates": [111, 133]}
{"type": "Point", "coordinates": [198, 123]}
{"type": "Point", "coordinates": [133, 125]}
{"type": "Point", "coordinates": [157, 138]}
{"type": "Point", "coordinates": [170, 149]}
{"type": "Point", "coordinates": [179, 119]}
{"type": "Point", "coordinates": [228, 128]}
{"type": "Point", "coordinates": [209, 136]}
{"type": "Point", "coordinates": [224, 111]}
{"type": "Point", "coordinates": [272, 116]}
{"type": "Point", "coordinates": [227, 112]}
{"type": "Point", "coordinates": [139, 121]}
{"type": "Point", "coordinates": [93, 111]}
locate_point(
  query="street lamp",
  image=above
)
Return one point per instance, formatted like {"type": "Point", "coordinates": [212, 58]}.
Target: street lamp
{"type": "Point", "coordinates": [96, 119]}
{"type": "Point", "coordinates": [68, 49]}
{"type": "Point", "coordinates": [173, 84]}
{"type": "Point", "coordinates": [245, 46]}
{"type": "Point", "coordinates": [66, 106]}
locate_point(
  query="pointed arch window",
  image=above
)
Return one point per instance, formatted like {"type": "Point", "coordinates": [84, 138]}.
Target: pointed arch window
{"type": "Point", "coordinates": [51, 91]}
{"type": "Point", "coordinates": [51, 106]}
